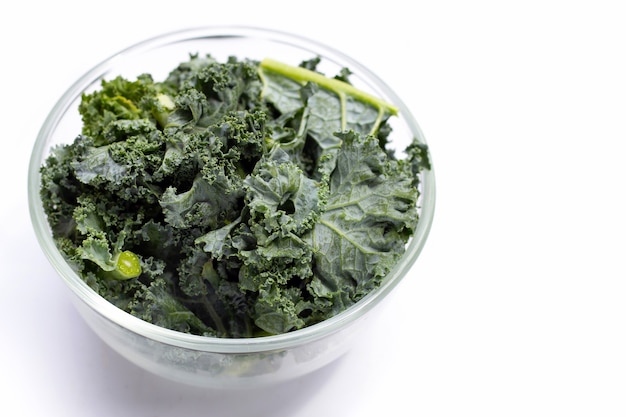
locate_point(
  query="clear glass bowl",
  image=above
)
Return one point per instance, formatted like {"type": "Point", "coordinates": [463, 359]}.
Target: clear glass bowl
{"type": "Point", "coordinates": [205, 361]}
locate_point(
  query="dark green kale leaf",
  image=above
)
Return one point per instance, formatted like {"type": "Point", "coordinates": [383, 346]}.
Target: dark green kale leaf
{"type": "Point", "coordinates": [369, 216]}
{"type": "Point", "coordinates": [281, 198]}
{"type": "Point", "coordinates": [232, 199]}
{"type": "Point", "coordinates": [156, 303]}
{"type": "Point", "coordinates": [334, 104]}
{"type": "Point", "coordinates": [206, 204]}
{"type": "Point", "coordinates": [312, 108]}
{"type": "Point", "coordinates": [281, 205]}
{"type": "Point", "coordinates": [208, 89]}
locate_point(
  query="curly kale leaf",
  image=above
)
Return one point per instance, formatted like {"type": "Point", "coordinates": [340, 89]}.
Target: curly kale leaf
{"type": "Point", "coordinates": [232, 199]}
{"type": "Point", "coordinates": [205, 204]}
{"type": "Point", "coordinates": [334, 104]}
{"type": "Point", "coordinates": [212, 295]}
{"type": "Point", "coordinates": [312, 108]}
{"type": "Point", "coordinates": [281, 198]}
{"type": "Point", "coordinates": [282, 203]}
{"type": "Point", "coordinates": [124, 168]}
{"type": "Point", "coordinates": [156, 303]}
{"type": "Point", "coordinates": [312, 248]}
{"type": "Point", "coordinates": [122, 100]}
{"type": "Point", "coordinates": [370, 214]}
{"type": "Point", "coordinates": [418, 155]}
{"type": "Point", "coordinates": [208, 89]}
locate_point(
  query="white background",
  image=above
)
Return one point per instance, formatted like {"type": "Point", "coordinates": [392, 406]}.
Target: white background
{"type": "Point", "coordinates": [516, 306]}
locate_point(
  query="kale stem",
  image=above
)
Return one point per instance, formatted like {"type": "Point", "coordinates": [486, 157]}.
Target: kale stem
{"type": "Point", "coordinates": [127, 266]}
{"type": "Point", "coordinates": [304, 75]}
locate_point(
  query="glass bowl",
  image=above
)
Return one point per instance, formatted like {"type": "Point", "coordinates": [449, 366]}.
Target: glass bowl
{"type": "Point", "coordinates": [207, 361]}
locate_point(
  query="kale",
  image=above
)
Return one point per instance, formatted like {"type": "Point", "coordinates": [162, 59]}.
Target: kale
{"type": "Point", "coordinates": [233, 199]}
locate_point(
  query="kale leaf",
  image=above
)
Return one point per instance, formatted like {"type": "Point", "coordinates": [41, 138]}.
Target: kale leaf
{"type": "Point", "coordinates": [370, 214]}
{"type": "Point", "coordinates": [233, 199]}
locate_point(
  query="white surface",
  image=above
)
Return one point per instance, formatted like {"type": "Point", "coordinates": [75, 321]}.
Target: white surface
{"type": "Point", "coordinates": [517, 305]}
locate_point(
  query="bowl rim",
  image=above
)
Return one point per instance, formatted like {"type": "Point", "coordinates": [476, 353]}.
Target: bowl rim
{"type": "Point", "coordinates": [205, 343]}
